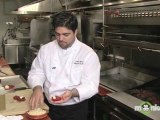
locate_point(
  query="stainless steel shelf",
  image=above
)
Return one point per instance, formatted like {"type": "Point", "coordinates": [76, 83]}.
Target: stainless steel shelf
{"type": "Point", "coordinates": [87, 7]}
{"type": "Point", "coordinates": [141, 45]}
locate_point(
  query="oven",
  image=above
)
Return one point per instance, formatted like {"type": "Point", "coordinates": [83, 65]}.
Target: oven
{"type": "Point", "coordinates": [109, 108]}
{"type": "Point", "coordinates": [129, 104]}
{"type": "Point", "coordinates": [114, 101]}
{"type": "Point", "coordinates": [114, 105]}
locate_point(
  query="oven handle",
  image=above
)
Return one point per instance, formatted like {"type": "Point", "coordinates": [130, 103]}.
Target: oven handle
{"type": "Point", "coordinates": [119, 111]}
{"type": "Point", "coordinates": [132, 34]}
{"type": "Point", "coordinates": [148, 49]}
{"type": "Point", "coordinates": [112, 114]}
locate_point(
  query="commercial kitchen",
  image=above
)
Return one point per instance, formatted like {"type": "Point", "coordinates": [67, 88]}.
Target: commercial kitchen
{"type": "Point", "coordinates": [125, 34]}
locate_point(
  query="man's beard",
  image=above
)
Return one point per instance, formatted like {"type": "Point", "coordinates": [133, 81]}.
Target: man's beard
{"type": "Point", "coordinates": [64, 45]}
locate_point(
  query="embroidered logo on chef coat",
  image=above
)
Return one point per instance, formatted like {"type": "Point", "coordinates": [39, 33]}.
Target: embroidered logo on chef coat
{"type": "Point", "coordinates": [79, 62]}
{"type": "Point", "coordinates": [53, 67]}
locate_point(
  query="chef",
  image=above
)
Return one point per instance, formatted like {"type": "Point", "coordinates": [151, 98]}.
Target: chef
{"type": "Point", "coordinates": [66, 70]}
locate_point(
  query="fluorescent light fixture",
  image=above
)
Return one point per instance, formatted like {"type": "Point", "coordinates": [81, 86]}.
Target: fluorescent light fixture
{"type": "Point", "coordinates": [109, 3]}
{"type": "Point", "coordinates": [136, 0]}
{"type": "Point", "coordinates": [121, 1]}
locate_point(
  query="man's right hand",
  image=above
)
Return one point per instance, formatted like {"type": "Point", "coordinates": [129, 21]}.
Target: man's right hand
{"type": "Point", "coordinates": [37, 97]}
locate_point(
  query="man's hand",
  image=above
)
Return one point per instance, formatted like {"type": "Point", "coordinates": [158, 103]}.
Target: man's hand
{"type": "Point", "coordinates": [37, 97]}
{"type": "Point", "coordinates": [64, 97]}
{"type": "Point", "coordinates": [67, 95]}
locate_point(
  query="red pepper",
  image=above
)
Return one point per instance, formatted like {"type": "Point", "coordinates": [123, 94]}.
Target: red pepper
{"type": "Point", "coordinates": [18, 98]}
{"type": "Point", "coordinates": [8, 87]}
{"type": "Point", "coordinates": [56, 98]}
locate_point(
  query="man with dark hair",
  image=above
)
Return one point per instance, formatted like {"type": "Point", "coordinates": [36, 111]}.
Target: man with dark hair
{"type": "Point", "coordinates": [66, 68]}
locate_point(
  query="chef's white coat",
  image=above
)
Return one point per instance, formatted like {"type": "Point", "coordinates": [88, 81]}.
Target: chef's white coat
{"type": "Point", "coordinates": [57, 69]}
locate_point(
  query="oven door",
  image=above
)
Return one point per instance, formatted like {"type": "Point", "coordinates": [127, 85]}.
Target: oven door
{"type": "Point", "coordinates": [108, 110]}
{"type": "Point", "coordinates": [125, 105]}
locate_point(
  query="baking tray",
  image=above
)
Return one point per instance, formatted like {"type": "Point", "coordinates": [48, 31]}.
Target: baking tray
{"type": "Point", "coordinates": [121, 78]}
{"type": "Point", "coordinates": [17, 80]}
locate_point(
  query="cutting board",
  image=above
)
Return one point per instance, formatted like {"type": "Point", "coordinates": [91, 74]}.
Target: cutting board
{"type": "Point", "coordinates": [16, 80]}
{"type": "Point", "coordinates": [6, 70]}
{"type": "Point", "coordinates": [13, 107]}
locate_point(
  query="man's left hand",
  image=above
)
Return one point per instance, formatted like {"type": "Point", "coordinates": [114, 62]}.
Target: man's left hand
{"type": "Point", "coordinates": [64, 97]}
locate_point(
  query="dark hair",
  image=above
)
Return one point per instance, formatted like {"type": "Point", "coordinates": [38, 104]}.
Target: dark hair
{"type": "Point", "coordinates": [65, 19]}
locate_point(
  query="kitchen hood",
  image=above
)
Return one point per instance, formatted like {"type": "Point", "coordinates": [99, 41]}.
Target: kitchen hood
{"type": "Point", "coordinates": [42, 6]}
{"type": "Point", "coordinates": [11, 5]}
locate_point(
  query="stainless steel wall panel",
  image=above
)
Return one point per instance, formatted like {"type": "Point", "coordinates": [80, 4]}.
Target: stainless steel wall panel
{"type": "Point", "coordinates": [40, 31]}
{"type": "Point", "coordinates": [11, 53]}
